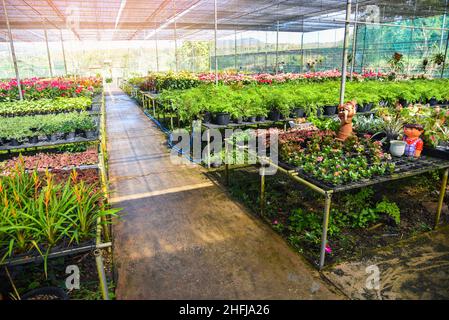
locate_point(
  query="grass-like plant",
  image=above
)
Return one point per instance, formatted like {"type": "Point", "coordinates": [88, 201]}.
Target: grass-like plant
{"type": "Point", "coordinates": [38, 213]}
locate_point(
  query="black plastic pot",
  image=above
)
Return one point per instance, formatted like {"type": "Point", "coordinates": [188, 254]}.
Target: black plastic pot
{"type": "Point", "coordinates": [251, 119]}
{"type": "Point", "coordinates": [14, 142]}
{"type": "Point", "coordinates": [47, 293]}
{"type": "Point", "coordinates": [91, 134]}
{"type": "Point", "coordinates": [222, 118]}
{"type": "Point", "coordinates": [319, 111]}
{"type": "Point", "coordinates": [33, 140]}
{"type": "Point", "coordinates": [238, 120]}
{"type": "Point", "coordinates": [432, 102]}
{"type": "Point", "coordinates": [330, 110]}
{"type": "Point", "coordinates": [206, 117]}
{"type": "Point", "coordinates": [298, 113]}
{"type": "Point", "coordinates": [403, 102]}
{"type": "Point", "coordinates": [56, 136]}
{"type": "Point", "coordinates": [70, 136]}
{"type": "Point", "coordinates": [260, 118]}
{"type": "Point", "coordinates": [368, 106]}
{"type": "Point", "coordinates": [361, 108]}
{"type": "Point", "coordinates": [274, 115]}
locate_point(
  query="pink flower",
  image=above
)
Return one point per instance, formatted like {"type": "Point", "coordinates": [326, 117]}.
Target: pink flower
{"type": "Point", "coordinates": [319, 159]}
{"type": "Point", "coordinates": [328, 249]}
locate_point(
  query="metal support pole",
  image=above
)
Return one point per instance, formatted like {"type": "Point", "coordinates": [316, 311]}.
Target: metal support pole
{"type": "Point", "coordinates": [441, 199]}
{"type": "Point", "coordinates": [215, 41]}
{"type": "Point", "coordinates": [48, 53]}
{"type": "Point", "coordinates": [276, 69]}
{"type": "Point", "coordinates": [262, 190]}
{"type": "Point", "coordinates": [13, 51]}
{"type": "Point", "coordinates": [443, 26]}
{"type": "Point", "coordinates": [302, 52]}
{"type": "Point", "coordinates": [101, 274]}
{"type": "Point", "coordinates": [235, 49]}
{"type": "Point", "coordinates": [354, 38]}
{"type": "Point", "coordinates": [176, 40]}
{"type": "Point", "coordinates": [364, 48]}
{"type": "Point", "coordinates": [63, 52]}
{"type": "Point", "coordinates": [157, 52]}
{"type": "Point", "coordinates": [208, 147]}
{"type": "Point", "coordinates": [266, 52]}
{"type": "Point", "coordinates": [327, 206]}
{"type": "Point", "coordinates": [445, 56]}
{"type": "Point", "coordinates": [345, 53]}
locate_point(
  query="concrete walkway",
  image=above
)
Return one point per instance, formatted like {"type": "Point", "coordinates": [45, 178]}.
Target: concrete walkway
{"type": "Point", "coordinates": [181, 236]}
{"type": "Point", "coordinates": [413, 269]}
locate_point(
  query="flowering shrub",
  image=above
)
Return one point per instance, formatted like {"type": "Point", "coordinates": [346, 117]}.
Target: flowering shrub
{"type": "Point", "coordinates": [331, 161]}
{"type": "Point", "coordinates": [38, 88]}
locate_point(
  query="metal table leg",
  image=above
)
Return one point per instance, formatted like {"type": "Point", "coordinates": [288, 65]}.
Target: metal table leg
{"type": "Point", "coordinates": [154, 108]}
{"type": "Point", "coordinates": [441, 199]}
{"type": "Point", "coordinates": [327, 206]}
{"type": "Point", "coordinates": [208, 147]}
{"type": "Point", "coordinates": [262, 190]}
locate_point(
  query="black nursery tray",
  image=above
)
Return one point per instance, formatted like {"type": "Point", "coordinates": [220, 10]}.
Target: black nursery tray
{"type": "Point", "coordinates": [404, 167]}
{"type": "Point", "coordinates": [64, 248]}
{"type": "Point", "coordinates": [438, 152]}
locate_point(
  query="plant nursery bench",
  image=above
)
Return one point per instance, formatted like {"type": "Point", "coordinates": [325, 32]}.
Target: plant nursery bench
{"type": "Point", "coordinates": [404, 168]}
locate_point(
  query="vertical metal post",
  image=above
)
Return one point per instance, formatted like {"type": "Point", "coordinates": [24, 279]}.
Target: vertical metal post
{"type": "Point", "coordinates": [208, 147]}
{"type": "Point", "coordinates": [354, 38]}
{"type": "Point", "coordinates": [345, 52]}
{"type": "Point", "coordinates": [48, 52]}
{"type": "Point", "coordinates": [445, 55]}
{"type": "Point", "coordinates": [262, 190]}
{"type": "Point", "coordinates": [157, 52]}
{"type": "Point", "coordinates": [276, 69]}
{"type": "Point", "coordinates": [266, 52]}
{"type": "Point", "coordinates": [13, 51]}
{"type": "Point", "coordinates": [327, 206]}
{"type": "Point", "coordinates": [302, 51]}
{"type": "Point", "coordinates": [364, 47]}
{"type": "Point", "coordinates": [441, 198]}
{"type": "Point", "coordinates": [443, 26]}
{"type": "Point", "coordinates": [235, 50]}
{"type": "Point", "coordinates": [101, 274]}
{"type": "Point", "coordinates": [215, 41]}
{"type": "Point", "coordinates": [63, 51]}
{"type": "Point", "coordinates": [176, 39]}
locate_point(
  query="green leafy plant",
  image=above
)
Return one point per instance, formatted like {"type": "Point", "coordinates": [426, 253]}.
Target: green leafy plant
{"type": "Point", "coordinates": [37, 213]}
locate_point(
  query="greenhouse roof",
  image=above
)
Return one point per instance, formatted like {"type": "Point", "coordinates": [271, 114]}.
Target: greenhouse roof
{"type": "Point", "coordinates": [194, 19]}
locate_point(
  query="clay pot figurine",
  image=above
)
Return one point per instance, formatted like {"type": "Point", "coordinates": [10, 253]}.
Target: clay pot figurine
{"type": "Point", "coordinates": [414, 144]}
{"type": "Point", "coordinates": [346, 112]}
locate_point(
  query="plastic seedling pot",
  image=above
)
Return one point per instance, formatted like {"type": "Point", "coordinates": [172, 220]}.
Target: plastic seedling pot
{"type": "Point", "coordinates": [238, 120]}
{"type": "Point", "coordinates": [222, 118]}
{"type": "Point", "coordinates": [330, 110]}
{"type": "Point", "coordinates": [251, 119]}
{"type": "Point", "coordinates": [70, 135]}
{"type": "Point", "coordinates": [298, 113]}
{"type": "Point", "coordinates": [33, 140]}
{"type": "Point", "coordinates": [260, 118]}
{"type": "Point", "coordinates": [90, 134]}
{"type": "Point", "coordinates": [274, 115]}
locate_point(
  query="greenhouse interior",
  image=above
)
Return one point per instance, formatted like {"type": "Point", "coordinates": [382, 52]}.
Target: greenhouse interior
{"type": "Point", "coordinates": [224, 150]}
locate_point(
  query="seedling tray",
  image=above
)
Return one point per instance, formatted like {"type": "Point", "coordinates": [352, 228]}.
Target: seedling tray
{"type": "Point", "coordinates": [404, 167]}
{"type": "Point", "coordinates": [438, 152]}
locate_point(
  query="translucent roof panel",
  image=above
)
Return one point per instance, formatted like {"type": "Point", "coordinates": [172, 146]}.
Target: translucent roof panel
{"type": "Point", "coordinates": [142, 19]}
